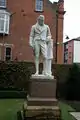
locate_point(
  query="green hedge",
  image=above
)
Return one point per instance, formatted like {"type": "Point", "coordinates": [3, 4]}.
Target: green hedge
{"type": "Point", "coordinates": [14, 76]}
{"type": "Point", "coordinates": [13, 94]}
{"type": "Point", "coordinates": [73, 83]}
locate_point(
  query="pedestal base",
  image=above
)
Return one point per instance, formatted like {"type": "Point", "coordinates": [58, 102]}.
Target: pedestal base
{"type": "Point", "coordinates": [42, 87]}
{"type": "Point", "coordinates": [41, 101]}
{"type": "Point", "coordinates": [39, 112]}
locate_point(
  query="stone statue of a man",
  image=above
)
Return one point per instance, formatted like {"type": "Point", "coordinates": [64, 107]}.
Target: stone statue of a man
{"type": "Point", "coordinates": [41, 42]}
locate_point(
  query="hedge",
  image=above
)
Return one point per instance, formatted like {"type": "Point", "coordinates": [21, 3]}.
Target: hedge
{"type": "Point", "coordinates": [14, 76]}
{"type": "Point", "coordinates": [13, 94]}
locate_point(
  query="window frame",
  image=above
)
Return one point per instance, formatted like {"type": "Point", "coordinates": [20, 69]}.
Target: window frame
{"type": "Point", "coordinates": [7, 46]}
{"type": "Point", "coordinates": [6, 20]}
{"type": "Point", "coordinates": [37, 4]}
{"type": "Point", "coordinates": [3, 6]}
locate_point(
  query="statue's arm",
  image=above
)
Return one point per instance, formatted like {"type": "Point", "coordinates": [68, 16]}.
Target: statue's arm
{"type": "Point", "coordinates": [49, 38]}
{"type": "Point", "coordinates": [31, 38]}
{"type": "Point", "coordinates": [48, 33]}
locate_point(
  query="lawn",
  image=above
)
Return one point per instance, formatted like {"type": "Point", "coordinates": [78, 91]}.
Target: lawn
{"type": "Point", "coordinates": [9, 108]}
{"type": "Point", "coordinates": [65, 108]}
{"type": "Point", "coordinates": [75, 105]}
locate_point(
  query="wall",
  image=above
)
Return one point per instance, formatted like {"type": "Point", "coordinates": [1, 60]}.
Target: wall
{"type": "Point", "coordinates": [70, 51]}
{"type": "Point", "coordinates": [22, 18]}
{"type": "Point", "coordinates": [76, 58]}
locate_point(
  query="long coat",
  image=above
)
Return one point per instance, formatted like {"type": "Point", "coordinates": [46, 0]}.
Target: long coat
{"type": "Point", "coordinates": [42, 33]}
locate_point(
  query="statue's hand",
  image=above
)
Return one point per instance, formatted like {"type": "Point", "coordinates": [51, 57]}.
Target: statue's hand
{"type": "Point", "coordinates": [31, 45]}
{"type": "Point", "coordinates": [48, 39]}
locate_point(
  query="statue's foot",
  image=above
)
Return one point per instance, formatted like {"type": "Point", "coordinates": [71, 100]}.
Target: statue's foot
{"type": "Point", "coordinates": [46, 74]}
{"type": "Point", "coordinates": [37, 73]}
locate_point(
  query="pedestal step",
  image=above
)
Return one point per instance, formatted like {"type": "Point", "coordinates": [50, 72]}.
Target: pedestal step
{"type": "Point", "coordinates": [31, 111]}
{"type": "Point", "coordinates": [42, 101]}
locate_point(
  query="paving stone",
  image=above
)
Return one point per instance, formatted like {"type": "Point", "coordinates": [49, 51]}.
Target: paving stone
{"type": "Point", "coordinates": [76, 115]}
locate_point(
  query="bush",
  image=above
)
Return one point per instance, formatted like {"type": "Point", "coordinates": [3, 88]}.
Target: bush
{"type": "Point", "coordinates": [14, 76]}
{"type": "Point", "coordinates": [13, 94]}
{"type": "Point", "coordinates": [73, 83]}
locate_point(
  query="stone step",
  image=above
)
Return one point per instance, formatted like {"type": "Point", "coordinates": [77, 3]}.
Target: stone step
{"type": "Point", "coordinates": [41, 110]}
{"type": "Point", "coordinates": [42, 101]}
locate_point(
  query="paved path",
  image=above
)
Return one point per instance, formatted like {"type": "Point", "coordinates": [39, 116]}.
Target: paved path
{"type": "Point", "coordinates": [76, 115]}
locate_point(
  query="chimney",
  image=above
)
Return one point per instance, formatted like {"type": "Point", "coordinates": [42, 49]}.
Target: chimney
{"type": "Point", "coordinates": [61, 6]}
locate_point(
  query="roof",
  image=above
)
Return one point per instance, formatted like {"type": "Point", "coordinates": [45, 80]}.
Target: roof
{"type": "Point", "coordinates": [74, 39]}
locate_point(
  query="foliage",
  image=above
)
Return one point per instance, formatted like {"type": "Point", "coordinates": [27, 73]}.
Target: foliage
{"type": "Point", "coordinates": [14, 76]}
{"type": "Point", "coordinates": [73, 83]}
{"type": "Point", "coordinates": [13, 94]}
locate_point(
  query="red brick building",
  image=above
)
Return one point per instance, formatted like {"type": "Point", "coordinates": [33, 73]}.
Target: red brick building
{"type": "Point", "coordinates": [71, 51]}
{"type": "Point", "coordinates": [16, 19]}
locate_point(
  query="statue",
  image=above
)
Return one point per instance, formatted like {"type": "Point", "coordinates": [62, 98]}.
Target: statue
{"type": "Point", "coordinates": [41, 42]}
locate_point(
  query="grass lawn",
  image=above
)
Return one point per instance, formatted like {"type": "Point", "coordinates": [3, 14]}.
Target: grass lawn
{"type": "Point", "coordinates": [75, 105]}
{"type": "Point", "coordinates": [65, 108]}
{"type": "Point", "coordinates": [9, 108]}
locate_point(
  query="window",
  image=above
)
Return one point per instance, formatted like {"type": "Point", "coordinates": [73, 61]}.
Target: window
{"type": "Point", "coordinates": [66, 57]}
{"type": "Point", "coordinates": [39, 5]}
{"type": "Point", "coordinates": [8, 54]}
{"type": "Point", "coordinates": [2, 3]}
{"type": "Point", "coordinates": [66, 46]}
{"type": "Point", "coordinates": [4, 22]}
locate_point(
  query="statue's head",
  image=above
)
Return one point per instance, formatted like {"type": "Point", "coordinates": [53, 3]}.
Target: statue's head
{"type": "Point", "coordinates": [41, 20]}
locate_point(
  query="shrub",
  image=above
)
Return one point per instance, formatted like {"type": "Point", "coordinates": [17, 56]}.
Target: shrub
{"type": "Point", "coordinates": [14, 76]}
{"type": "Point", "coordinates": [73, 83]}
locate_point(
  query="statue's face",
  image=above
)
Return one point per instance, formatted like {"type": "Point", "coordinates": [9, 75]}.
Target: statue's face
{"type": "Point", "coordinates": [41, 21]}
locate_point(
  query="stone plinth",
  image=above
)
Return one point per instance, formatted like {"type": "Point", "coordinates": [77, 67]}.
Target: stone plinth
{"type": "Point", "coordinates": [42, 87]}
{"type": "Point", "coordinates": [42, 97]}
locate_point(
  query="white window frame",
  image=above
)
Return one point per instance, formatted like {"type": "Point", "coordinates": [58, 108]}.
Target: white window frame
{"type": "Point", "coordinates": [6, 46]}
{"type": "Point", "coordinates": [6, 22]}
{"type": "Point", "coordinates": [38, 5]}
{"type": "Point", "coordinates": [3, 6]}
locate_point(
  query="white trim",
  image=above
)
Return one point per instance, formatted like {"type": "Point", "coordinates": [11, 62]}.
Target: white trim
{"type": "Point", "coordinates": [6, 21]}
{"type": "Point", "coordinates": [8, 45]}
{"type": "Point", "coordinates": [5, 44]}
{"type": "Point", "coordinates": [1, 44]}
{"type": "Point", "coordinates": [3, 6]}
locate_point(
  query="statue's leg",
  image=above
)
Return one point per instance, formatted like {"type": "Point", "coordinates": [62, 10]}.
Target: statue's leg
{"type": "Point", "coordinates": [44, 66]}
{"type": "Point", "coordinates": [44, 53]}
{"type": "Point", "coordinates": [37, 66]}
{"type": "Point", "coordinates": [49, 62]}
{"type": "Point", "coordinates": [37, 50]}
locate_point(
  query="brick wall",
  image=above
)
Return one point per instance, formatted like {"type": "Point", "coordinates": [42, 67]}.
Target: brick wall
{"type": "Point", "coordinates": [22, 18]}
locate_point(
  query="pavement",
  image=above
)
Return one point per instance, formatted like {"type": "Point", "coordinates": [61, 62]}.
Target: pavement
{"type": "Point", "coordinates": [76, 115]}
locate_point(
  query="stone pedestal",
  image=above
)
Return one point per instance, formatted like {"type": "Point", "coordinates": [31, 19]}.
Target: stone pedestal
{"type": "Point", "coordinates": [42, 97]}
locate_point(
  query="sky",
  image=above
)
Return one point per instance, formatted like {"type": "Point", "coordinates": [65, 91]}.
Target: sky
{"type": "Point", "coordinates": [71, 18]}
